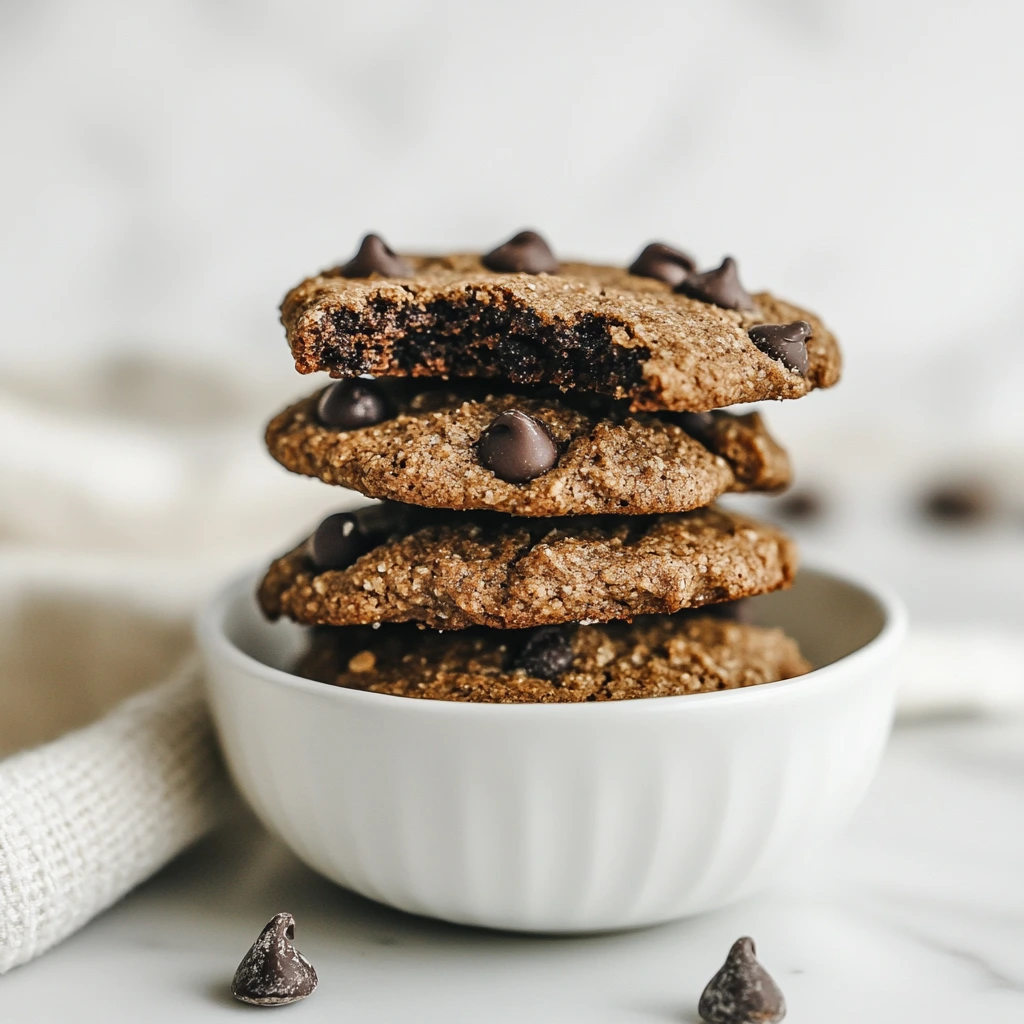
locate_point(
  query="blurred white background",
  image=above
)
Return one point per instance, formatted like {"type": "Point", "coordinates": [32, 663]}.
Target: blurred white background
{"type": "Point", "coordinates": [172, 167]}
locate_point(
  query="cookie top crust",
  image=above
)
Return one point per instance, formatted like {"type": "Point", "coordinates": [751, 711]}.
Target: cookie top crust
{"type": "Point", "coordinates": [654, 656]}
{"type": "Point", "coordinates": [451, 570]}
{"type": "Point", "coordinates": [426, 452]}
{"type": "Point", "coordinates": [587, 327]}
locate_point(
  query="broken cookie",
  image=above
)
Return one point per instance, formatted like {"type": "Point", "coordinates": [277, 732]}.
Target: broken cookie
{"type": "Point", "coordinates": [518, 314]}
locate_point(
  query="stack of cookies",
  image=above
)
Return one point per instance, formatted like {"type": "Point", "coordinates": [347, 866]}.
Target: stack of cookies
{"type": "Point", "coordinates": [546, 440]}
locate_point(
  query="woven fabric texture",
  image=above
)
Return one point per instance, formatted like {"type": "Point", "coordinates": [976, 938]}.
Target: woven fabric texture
{"type": "Point", "coordinates": [87, 817]}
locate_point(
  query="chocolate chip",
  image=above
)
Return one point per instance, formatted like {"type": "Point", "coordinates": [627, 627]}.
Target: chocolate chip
{"type": "Point", "coordinates": [516, 447]}
{"type": "Point", "coordinates": [337, 542]}
{"type": "Point", "coordinates": [546, 654]}
{"type": "Point", "coordinates": [274, 972]}
{"type": "Point", "coordinates": [720, 286]}
{"type": "Point", "coordinates": [350, 404]}
{"type": "Point", "coordinates": [699, 425]}
{"type": "Point", "coordinates": [742, 992]}
{"type": "Point", "coordinates": [344, 537]}
{"type": "Point", "coordinates": [375, 256]}
{"type": "Point", "coordinates": [785, 342]}
{"type": "Point", "coordinates": [663, 263]}
{"type": "Point", "coordinates": [801, 506]}
{"type": "Point", "coordinates": [959, 503]}
{"type": "Point", "coordinates": [525, 253]}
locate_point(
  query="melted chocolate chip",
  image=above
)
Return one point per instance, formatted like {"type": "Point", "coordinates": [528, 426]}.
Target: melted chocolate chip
{"type": "Point", "coordinates": [742, 992]}
{"type": "Point", "coordinates": [525, 253]}
{"type": "Point", "coordinates": [375, 256]}
{"type": "Point", "coordinates": [785, 342]}
{"type": "Point", "coordinates": [274, 972]}
{"type": "Point", "coordinates": [546, 654]}
{"type": "Point", "coordinates": [663, 263]}
{"type": "Point", "coordinates": [351, 404]}
{"type": "Point", "coordinates": [720, 287]}
{"type": "Point", "coordinates": [516, 447]}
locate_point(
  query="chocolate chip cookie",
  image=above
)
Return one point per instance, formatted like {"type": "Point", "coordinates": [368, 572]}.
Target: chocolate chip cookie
{"type": "Point", "coordinates": [400, 563]}
{"type": "Point", "coordinates": [661, 341]}
{"type": "Point", "coordinates": [433, 443]}
{"type": "Point", "coordinates": [547, 438]}
{"type": "Point", "coordinates": [654, 656]}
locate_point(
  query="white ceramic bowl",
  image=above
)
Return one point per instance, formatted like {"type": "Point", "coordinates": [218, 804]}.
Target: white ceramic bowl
{"type": "Point", "coordinates": [565, 817]}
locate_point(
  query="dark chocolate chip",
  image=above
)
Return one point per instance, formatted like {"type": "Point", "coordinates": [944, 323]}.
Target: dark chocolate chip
{"type": "Point", "coordinates": [525, 253]}
{"type": "Point", "coordinates": [960, 503]}
{"type": "Point", "coordinates": [546, 654]}
{"type": "Point", "coordinates": [742, 992]}
{"type": "Point", "coordinates": [344, 537]}
{"type": "Point", "coordinates": [720, 286]}
{"type": "Point", "coordinates": [375, 256]}
{"type": "Point", "coordinates": [785, 342]}
{"type": "Point", "coordinates": [337, 542]}
{"type": "Point", "coordinates": [699, 425]}
{"type": "Point", "coordinates": [516, 447]}
{"type": "Point", "coordinates": [274, 972]}
{"type": "Point", "coordinates": [389, 519]}
{"type": "Point", "coordinates": [801, 506]}
{"type": "Point", "coordinates": [663, 263]}
{"type": "Point", "coordinates": [351, 404]}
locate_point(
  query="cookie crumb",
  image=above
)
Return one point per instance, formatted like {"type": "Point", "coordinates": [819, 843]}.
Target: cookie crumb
{"type": "Point", "coordinates": [364, 661]}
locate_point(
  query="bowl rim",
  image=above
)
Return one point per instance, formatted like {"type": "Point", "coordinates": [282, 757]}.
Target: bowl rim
{"type": "Point", "coordinates": [214, 644]}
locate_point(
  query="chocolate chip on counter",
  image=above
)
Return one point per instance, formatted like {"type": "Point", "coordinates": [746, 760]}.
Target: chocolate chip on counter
{"type": "Point", "coordinates": [959, 503]}
{"type": "Point", "coordinates": [524, 253]}
{"type": "Point", "coordinates": [351, 404]}
{"type": "Point", "coordinates": [274, 972]}
{"type": "Point", "coordinates": [546, 654]}
{"type": "Point", "coordinates": [801, 506]}
{"type": "Point", "coordinates": [785, 342]}
{"type": "Point", "coordinates": [742, 992]}
{"type": "Point", "coordinates": [375, 256]}
{"type": "Point", "coordinates": [516, 447]}
{"type": "Point", "coordinates": [699, 425]}
{"type": "Point", "coordinates": [720, 287]}
{"type": "Point", "coordinates": [663, 263]}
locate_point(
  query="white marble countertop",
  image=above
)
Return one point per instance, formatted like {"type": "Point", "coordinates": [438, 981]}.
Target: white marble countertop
{"type": "Point", "coordinates": [915, 914]}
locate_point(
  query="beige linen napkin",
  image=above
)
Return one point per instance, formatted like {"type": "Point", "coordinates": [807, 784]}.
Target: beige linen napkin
{"type": "Point", "coordinates": [129, 487]}
{"type": "Point", "coordinates": [87, 817]}
{"type": "Point", "coordinates": [89, 814]}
